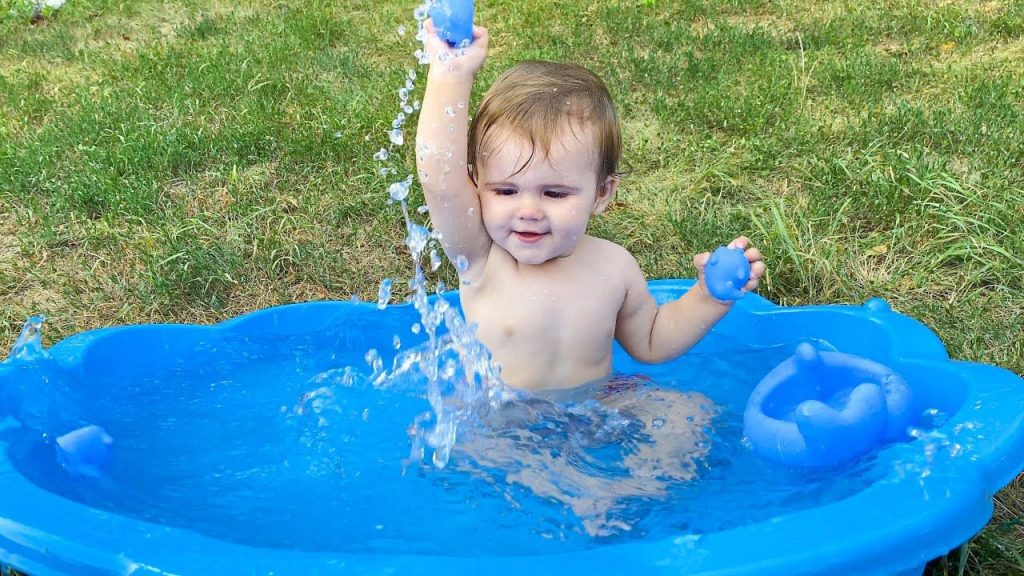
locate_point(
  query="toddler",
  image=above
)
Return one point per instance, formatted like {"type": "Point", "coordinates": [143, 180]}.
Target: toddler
{"type": "Point", "coordinates": [512, 197]}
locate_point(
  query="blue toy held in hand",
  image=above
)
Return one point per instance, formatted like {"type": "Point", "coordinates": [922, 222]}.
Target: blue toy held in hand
{"type": "Point", "coordinates": [726, 273]}
{"type": "Point", "coordinates": [453, 20]}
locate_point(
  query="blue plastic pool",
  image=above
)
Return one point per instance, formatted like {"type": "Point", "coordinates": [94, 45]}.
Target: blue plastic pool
{"type": "Point", "coordinates": [214, 473]}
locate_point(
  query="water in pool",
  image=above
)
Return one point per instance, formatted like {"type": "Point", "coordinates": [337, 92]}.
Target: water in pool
{"type": "Point", "coordinates": [287, 442]}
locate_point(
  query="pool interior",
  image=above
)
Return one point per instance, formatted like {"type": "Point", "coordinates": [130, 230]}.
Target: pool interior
{"type": "Point", "coordinates": [215, 433]}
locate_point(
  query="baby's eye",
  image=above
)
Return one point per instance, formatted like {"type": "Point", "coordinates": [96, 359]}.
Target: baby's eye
{"type": "Point", "coordinates": [555, 194]}
{"type": "Point", "coordinates": [504, 191]}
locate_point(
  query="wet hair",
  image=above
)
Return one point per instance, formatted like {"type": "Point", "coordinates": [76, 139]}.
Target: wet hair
{"type": "Point", "coordinates": [537, 100]}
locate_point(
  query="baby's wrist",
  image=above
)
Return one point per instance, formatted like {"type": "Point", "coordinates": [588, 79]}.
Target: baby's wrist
{"type": "Point", "coordinates": [442, 72]}
{"type": "Point", "coordinates": [707, 299]}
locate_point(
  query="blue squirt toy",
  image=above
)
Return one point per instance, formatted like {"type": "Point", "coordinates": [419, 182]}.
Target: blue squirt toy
{"type": "Point", "coordinates": [726, 273]}
{"type": "Point", "coordinates": [453, 20]}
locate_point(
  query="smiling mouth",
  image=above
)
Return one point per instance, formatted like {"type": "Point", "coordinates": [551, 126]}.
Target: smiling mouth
{"type": "Point", "coordinates": [528, 237]}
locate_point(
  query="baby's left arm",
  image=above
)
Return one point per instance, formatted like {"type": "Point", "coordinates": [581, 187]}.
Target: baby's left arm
{"type": "Point", "coordinates": [653, 334]}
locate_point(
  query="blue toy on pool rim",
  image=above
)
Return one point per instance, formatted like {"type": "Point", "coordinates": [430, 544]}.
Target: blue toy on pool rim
{"type": "Point", "coordinates": [826, 408]}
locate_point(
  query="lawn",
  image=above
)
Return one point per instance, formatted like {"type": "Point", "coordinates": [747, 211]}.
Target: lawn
{"type": "Point", "coordinates": [190, 161]}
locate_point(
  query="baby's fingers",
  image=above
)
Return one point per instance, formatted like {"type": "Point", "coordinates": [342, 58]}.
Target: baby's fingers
{"type": "Point", "coordinates": [701, 260]}
{"type": "Point", "coordinates": [753, 255]}
{"type": "Point", "coordinates": [757, 270]}
{"type": "Point", "coordinates": [742, 242]}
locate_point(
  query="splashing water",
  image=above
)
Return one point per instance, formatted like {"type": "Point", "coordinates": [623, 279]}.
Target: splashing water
{"type": "Point", "coordinates": [384, 293]}
{"type": "Point", "coordinates": [460, 377]}
{"type": "Point", "coordinates": [29, 344]}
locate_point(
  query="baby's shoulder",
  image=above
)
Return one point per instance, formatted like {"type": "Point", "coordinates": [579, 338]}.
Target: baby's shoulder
{"type": "Point", "coordinates": [606, 248]}
{"type": "Point", "coordinates": [608, 254]}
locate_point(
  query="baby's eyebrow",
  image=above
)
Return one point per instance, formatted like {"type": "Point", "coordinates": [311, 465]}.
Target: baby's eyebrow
{"type": "Point", "coordinates": [565, 187]}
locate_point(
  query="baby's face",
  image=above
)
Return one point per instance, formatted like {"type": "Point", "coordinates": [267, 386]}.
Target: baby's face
{"type": "Point", "coordinates": [541, 212]}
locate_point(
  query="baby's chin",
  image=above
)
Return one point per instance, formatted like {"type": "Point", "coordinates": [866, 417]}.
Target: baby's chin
{"type": "Point", "coordinates": [536, 259]}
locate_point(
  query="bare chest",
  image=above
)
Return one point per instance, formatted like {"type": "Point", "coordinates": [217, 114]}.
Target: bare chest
{"type": "Point", "coordinates": [537, 325]}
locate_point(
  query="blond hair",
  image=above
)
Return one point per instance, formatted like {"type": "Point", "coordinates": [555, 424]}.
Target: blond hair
{"type": "Point", "coordinates": [535, 99]}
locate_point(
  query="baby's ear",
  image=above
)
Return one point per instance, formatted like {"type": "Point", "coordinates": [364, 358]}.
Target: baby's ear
{"type": "Point", "coordinates": [605, 193]}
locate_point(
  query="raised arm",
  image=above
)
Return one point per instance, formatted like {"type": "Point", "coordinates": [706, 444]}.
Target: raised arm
{"type": "Point", "coordinates": [441, 148]}
{"type": "Point", "coordinates": [653, 334]}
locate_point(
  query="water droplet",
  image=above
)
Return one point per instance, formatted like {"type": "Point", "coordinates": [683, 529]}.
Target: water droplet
{"type": "Point", "coordinates": [449, 111]}
{"type": "Point", "coordinates": [396, 342]}
{"type": "Point", "coordinates": [381, 155]}
{"type": "Point", "coordinates": [407, 109]}
{"type": "Point", "coordinates": [397, 137]}
{"type": "Point", "coordinates": [416, 328]}
{"type": "Point", "coordinates": [366, 414]}
{"type": "Point", "coordinates": [401, 30]}
{"type": "Point", "coordinates": [399, 191]}
{"type": "Point", "coordinates": [384, 294]}
{"type": "Point", "coordinates": [417, 239]}
{"type": "Point", "coordinates": [424, 208]}
{"type": "Point", "coordinates": [411, 74]}
{"type": "Point", "coordinates": [435, 260]}
{"type": "Point", "coordinates": [397, 122]}
{"type": "Point", "coordinates": [420, 13]}
{"type": "Point", "coordinates": [462, 104]}
{"type": "Point", "coordinates": [354, 299]}
{"type": "Point", "coordinates": [337, 134]}
{"type": "Point", "coordinates": [373, 360]}
{"type": "Point", "coordinates": [403, 94]}
{"type": "Point", "coordinates": [657, 423]}
{"type": "Point", "coordinates": [461, 263]}
{"type": "Point", "coordinates": [416, 105]}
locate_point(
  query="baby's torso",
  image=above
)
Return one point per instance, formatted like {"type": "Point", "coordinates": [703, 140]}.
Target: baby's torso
{"type": "Point", "coordinates": [549, 326]}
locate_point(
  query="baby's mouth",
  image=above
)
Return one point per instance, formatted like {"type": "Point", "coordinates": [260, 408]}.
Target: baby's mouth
{"type": "Point", "coordinates": [528, 237]}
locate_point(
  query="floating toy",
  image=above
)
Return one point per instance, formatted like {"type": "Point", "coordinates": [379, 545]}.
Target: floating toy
{"type": "Point", "coordinates": [85, 451]}
{"type": "Point", "coordinates": [453, 20]}
{"type": "Point", "coordinates": [726, 273]}
{"type": "Point", "coordinates": [825, 408]}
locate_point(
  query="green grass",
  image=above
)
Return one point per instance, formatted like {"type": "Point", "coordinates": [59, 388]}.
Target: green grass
{"type": "Point", "coordinates": [190, 161]}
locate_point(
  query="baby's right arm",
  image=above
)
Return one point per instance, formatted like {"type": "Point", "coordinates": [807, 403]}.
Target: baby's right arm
{"type": "Point", "coordinates": [441, 148]}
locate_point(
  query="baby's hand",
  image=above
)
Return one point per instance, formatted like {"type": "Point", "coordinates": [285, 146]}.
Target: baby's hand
{"type": "Point", "coordinates": [450, 60]}
{"type": "Point", "coordinates": [757, 267]}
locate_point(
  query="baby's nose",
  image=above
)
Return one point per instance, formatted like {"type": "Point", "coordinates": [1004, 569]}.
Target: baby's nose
{"type": "Point", "coordinates": [529, 209]}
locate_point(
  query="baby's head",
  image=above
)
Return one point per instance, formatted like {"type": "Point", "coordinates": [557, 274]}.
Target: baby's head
{"type": "Point", "coordinates": [544, 151]}
{"type": "Point", "coordinates": [537, 100]}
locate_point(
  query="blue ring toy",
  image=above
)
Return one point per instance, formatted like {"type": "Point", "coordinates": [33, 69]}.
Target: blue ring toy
{"type": "Point", "coordinates": [826, 408]}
